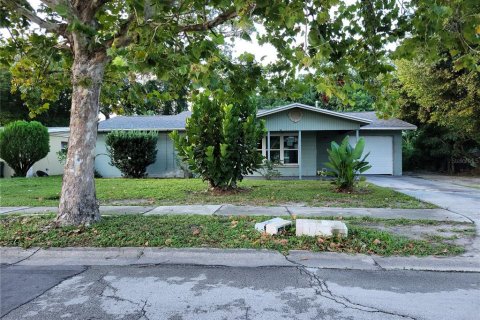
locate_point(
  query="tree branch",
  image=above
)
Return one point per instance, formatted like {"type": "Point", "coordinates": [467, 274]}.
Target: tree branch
{"type": "Point", "coordinates": [207, 25]}
{"type": "Point", "coordinates": [121, 38]}
{"type": "Point", "coordinates": [47, 25]}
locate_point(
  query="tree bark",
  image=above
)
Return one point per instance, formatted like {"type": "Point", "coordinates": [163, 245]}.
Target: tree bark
{"type": "Point", "coordinates": [78, 202]}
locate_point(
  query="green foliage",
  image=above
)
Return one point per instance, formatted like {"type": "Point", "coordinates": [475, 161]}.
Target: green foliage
{"type": "Point", "coordinates": [355, 97]}
{"type": "Point", "coordinates": [132, 151]}
{"type": "Point", "coordinates": [269, 170]}
{"type": "Point", "coordinates": [221, 139]}
{"type": "Point", "coordinates": [439, 27]}
{"type": "Point", "coordinates": [346, 163]}
{"type": "Point", "coordinates": [22, 144]}
{"type": "Point", "coordinates": [176, 43]}
{"type": "Point", "coordinates": [13, 108]}
{"type": "Point", "coordinates": [445, 105]}
{"type": "Point", "coordinates": [444, 96]}
{"type": "Point", "coordinates": [62, 156]}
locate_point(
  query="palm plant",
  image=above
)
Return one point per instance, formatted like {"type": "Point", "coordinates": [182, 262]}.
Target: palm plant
{"type": "Point", "coordinates": [346, 163]}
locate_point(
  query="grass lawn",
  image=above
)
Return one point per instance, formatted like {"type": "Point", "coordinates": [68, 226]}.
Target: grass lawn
{"type": "Point", "coordinates": [46, 192]}
{"type": "Point", "coordinates": [208, 231]}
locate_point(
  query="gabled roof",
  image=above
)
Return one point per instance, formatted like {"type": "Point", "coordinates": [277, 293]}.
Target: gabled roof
{"type": "Point", "coordinates": [368, 119]}
{"type": "Point", "coordinates": [158, 123]}
{"type": "Point", "coordinates": [381, 124]}
{"type": "Point", "coordinates": [262, 113]}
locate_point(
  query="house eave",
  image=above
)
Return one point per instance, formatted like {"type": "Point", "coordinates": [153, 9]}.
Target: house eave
{"type": "Point", "coordinates": [389, 128]}
{"type": "Point", "coordinates": [314, 109]}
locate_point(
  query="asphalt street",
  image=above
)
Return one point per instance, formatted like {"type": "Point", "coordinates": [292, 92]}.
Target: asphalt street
{"type": "Point", "coordinates": [208, 292]}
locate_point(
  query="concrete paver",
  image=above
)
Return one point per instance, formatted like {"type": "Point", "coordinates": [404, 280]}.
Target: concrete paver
{"type": "Point", "coordinates": [232, 210]}
{"type": "Point", "coordinates": [11, 209]}
{"type": "Point", "coordinates": [192, 209]}
{"type": "Point", "coordinates": [125, 209]}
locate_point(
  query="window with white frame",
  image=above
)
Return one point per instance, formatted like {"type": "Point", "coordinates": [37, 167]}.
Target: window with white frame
{"type": "Point", "coordinates": [283, 148]}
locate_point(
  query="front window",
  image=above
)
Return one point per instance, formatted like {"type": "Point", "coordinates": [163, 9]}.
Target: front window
{"type": "Point", "coordinates": [283, 148]}
{"type": "Point", "coordinates": [275, 149]}
{"type": "Point", "coordinates": [290, 149]}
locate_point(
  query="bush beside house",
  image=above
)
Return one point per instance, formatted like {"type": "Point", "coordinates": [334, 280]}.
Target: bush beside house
{"type": "Point", "coordinates": [23, 143]}
{"type": "Point", "coordinates": [132, 151]}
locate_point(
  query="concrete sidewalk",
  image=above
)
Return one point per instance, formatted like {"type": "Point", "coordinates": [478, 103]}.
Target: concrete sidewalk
{"type": "Point", "coordinates": [13, 256]}
{"type": "Point", "coordinates": [234, 210]}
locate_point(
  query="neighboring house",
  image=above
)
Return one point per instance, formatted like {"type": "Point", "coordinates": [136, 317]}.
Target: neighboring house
{"type": "Point", "coordinates": [49, 164]}
{"type": "Point", "coordinates": [297, 135]}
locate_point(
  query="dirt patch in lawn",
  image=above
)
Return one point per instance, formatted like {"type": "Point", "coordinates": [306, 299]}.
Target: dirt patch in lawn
{"type": "Point", "coordinates": [460, 234]}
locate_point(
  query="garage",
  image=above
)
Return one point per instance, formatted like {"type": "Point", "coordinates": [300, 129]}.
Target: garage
{"type": "Point", "coordinates": [381, 153]}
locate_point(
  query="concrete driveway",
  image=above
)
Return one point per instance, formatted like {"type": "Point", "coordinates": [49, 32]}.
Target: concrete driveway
{"type": "Point", "coordinates": [457, 198]}
{"type": "Point", "coordinates": [460, 199]}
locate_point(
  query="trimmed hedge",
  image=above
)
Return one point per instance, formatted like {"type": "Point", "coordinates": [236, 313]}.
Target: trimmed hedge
{"type": "Point", "coordinates": [23, 143]}
{"type": "Point", "coordinates": [132, 151]}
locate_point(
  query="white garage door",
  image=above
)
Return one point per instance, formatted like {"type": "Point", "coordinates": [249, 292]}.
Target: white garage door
{"type": "Point", "coordinates": [381, 154]}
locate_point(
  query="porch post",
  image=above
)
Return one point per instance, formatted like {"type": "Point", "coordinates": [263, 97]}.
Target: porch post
{"type": "Point", "coordinates": [268, 145]}
{"type": "Point", "coordinates": [357, 134]}
{"type": "Point", "coordinates": [299, 154]}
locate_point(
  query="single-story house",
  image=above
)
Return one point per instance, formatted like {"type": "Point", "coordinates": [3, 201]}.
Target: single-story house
{"type": "Point", "coordinates": [298, 136]}
{"type": "Point", "coordinates": [49, 164]}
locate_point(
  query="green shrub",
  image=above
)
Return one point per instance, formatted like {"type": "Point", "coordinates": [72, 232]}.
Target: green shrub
{"type": "Point", "coordinates": [132, 151]}
{"type": "Point", "coordinates": [23, 143]}
{"type": "Point", "coordinates": [346, 163]}
{"type": "Point", "coordinates": [269, 170]}
{"type": "Point", "coordinates": [220, 144]}
{"type": "Point", "coordinates": [62, 156]}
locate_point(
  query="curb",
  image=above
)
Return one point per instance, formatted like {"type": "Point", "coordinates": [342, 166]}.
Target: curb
{"type": "Point", "coordinates": [137, 256]}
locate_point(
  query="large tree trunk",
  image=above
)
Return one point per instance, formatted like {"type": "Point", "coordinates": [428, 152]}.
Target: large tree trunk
{"type": "Point", "coordinates": [78, 202]}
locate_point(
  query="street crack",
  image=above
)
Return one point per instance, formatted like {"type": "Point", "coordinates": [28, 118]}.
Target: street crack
{"type": "Point", "coordinates": [322, 289]}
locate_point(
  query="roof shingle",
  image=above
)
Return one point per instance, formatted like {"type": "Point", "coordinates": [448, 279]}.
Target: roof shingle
{"type": "Point", "coordinates": [178, 121]}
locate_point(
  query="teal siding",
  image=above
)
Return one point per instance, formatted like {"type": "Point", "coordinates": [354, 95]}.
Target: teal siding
{"type": "Point", "coordinates": [324, 140]}
{"type": "Point", "coordinates": [310, 121]}
{"type": "Point", "coordinates": [309, 153]}
{"type": "Point", "coordinates": [165, 165]}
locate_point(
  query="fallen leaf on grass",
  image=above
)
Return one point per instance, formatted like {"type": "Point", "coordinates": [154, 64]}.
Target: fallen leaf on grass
{"type": "Point", "coordinates": [282, 242]}
{"type": "Point", "coordinates": [376, 242]}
